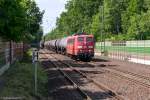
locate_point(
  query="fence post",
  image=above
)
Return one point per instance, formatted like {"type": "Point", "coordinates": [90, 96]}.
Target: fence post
{"type": "Point", "coordinates": [35, 63]}
{"type": "Point", "coordinates": [10, 51]}
{"type": "Point", "coordinates": [22, 49]}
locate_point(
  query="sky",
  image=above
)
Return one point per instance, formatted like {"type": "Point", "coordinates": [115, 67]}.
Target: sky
{"type": "Point", "coordinates": [53, 9]}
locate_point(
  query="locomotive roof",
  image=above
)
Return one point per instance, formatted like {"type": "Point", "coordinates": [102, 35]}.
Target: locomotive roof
{"type": "Point", "coordinates": [81, 35]}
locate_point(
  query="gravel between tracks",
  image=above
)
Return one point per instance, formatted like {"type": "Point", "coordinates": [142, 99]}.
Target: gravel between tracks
{"type": "Point", "coordinates": [129, 90]}
{"type": "Point", "coordinates": [58, 87]}
{"type": "Point", "coordinates": [92, 90]}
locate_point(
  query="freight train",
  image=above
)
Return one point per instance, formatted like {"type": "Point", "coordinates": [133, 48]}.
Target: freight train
{"type": "Point", "coordinates": [78, 46]}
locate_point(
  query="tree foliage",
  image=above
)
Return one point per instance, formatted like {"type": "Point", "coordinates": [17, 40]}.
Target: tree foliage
{"type": "Point", "coordinates": [114, 19]}
{"type": "Point", "coordinates": [19, 19]}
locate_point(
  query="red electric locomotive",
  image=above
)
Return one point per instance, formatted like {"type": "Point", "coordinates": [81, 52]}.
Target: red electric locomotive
{"type": "Point", "coordinates": [79, 46]}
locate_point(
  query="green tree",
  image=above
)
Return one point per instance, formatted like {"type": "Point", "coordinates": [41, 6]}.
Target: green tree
{"type": "Point", "coordinates": [19, 19]}
{"type": "Point", "coordinates": [123, 19]}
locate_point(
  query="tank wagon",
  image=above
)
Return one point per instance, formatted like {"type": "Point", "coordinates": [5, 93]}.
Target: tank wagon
{"type": "Point", "coordinates": [78, 46]}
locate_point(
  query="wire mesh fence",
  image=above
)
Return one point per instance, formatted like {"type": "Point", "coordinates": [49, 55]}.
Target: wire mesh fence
{"type": "Point", "coordinates": [137, 51]}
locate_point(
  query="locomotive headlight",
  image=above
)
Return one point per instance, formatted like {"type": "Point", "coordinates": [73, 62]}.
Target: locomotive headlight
{"type": "Point", "coordinates": [90, 50]}
{"type": "Point", "coordinates": [90, 46]}
{"type": "Point", "coordinates": [79, 47]}
{"type": "Point", "coordinates": [80, 50]}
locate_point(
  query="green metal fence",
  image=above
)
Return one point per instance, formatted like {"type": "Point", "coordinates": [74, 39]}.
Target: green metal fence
{"type": "Point", "coordinates": [133, 51]}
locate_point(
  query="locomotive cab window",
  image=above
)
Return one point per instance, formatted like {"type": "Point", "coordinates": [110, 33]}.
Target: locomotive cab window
{"type": "Point", "coordinates": [80, 39]}
{"type": "Point", "coordinates": [89, 39]}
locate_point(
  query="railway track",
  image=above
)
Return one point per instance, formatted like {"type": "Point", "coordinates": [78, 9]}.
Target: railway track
{"type": "Point", "coordinates": [125, 75]}
{"type": "Point", "coordinates": [110, 70]}
{"type": "Point", "coordinates": [83, 94]}
{"type": "Point", "coordinates": [130, 73]}
{"type": "Point", "coordinates": [114, 71]}
{"type": "Point", "coordinates": [108, 91]}
{"type": "Point", "coordinates": [127, 72]}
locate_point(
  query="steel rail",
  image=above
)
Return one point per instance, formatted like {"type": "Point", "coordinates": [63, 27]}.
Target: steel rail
{"type": "Point", "coordinates": [83, 94]}
{"type": "Point", "coordinates": [127, 78]}
{"type": "Point", "coordinates": [133, 74]}
{"type": "Point", "coordinates": [127, 72]}
{"type": "Point", "coordinates": [110, 92]}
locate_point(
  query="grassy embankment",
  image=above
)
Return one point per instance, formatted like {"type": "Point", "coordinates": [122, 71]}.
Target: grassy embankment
{"type": "Point", "coordinates": [19, 80]}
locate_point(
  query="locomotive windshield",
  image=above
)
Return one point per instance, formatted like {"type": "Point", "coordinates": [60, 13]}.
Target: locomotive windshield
{"type": "Point", "coordinates": [89, 39]}
{"type": "Point", "coordinates": [80, 39]}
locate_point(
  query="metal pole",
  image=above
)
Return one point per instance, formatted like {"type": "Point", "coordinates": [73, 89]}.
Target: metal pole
{"type": "Point", "coordinates": [35, 62]}
{"type": "Point", "coordinates": [36, 74]}
{"type": "Point", "coordinates": [103, 25]}
{"type": "Point", "coordinates": [10, 52]}
{"type": "Point", "coordinates": [101, 29]}
{"type": "Point", "coordinates": [35, 77]}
